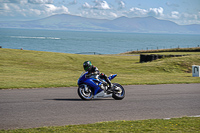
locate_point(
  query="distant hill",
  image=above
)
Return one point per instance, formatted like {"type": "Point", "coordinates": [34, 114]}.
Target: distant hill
{"type": "Point", "coordinates": [121, 24]}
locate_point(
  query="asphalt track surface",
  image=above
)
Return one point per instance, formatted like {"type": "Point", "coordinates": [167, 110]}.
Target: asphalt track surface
{"type": "Point", "coordinates": [28, 108]}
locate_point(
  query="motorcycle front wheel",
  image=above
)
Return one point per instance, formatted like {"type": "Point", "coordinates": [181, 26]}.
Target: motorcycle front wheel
{"type": "Point", "coordinates": [119, 92]}
{"type": "Point", "coordinates": [85, 94]}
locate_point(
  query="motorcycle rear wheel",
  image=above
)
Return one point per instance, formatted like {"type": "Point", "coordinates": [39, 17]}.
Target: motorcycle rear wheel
{"type": "Point", "coordinates": [83, 94]}
{"type": "Point", "coordinates": [118, 95]}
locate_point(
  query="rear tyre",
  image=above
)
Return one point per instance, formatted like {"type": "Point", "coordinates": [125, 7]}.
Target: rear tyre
{"type": "Point", "coordinates": [85, 94]}
{"type": "Point", "coordinates": [118, 91]}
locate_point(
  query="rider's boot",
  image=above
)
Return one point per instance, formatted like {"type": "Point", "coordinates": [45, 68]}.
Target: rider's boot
{"type": "Point", "coordinates": [110, 88]}
{"type": "Point", "coordinates": [110, 85]}
{"type": "Point", "coordinates": [107, 80]}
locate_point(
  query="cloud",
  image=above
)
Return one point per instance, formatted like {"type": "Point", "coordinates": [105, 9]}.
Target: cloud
{"type": "Point", "coordinates": [183, 18]}
{"type": "Point", "coordinates": [121, 4]}
{"type": "Point", "coordinates": [31, 9]}
{"type": "Point", "coordinates": [98, 9]}
{"type": "Point", "coordinates": [28, 1]}
{"type": "Point", "coordinates": [51, 9]}
{"type": "Point", "coordinates": [135, 12]}
{"type": "Point", "coordinates": [100, 5]}
{"type": "Point", "coordinates": [138, 12]}
{"type": "Point", "coordinates": [9, 1]}
{"type": "Point", "coordinates": [112, 14]}
{"type": "Point", "coordinates": [14, 1]}
{"type": "Point", "coordinates": [86, 5]}
{"type": "Point", "coordinates": [156, 12]}
{"type": "Point", "coordinates": [175, 15]}
{"type": "Point", "coordinates": [99, 14]}
{"type": "Point", "coordinates": [190, 17]}
{"type": "Point", "coordinates": [41, 1]}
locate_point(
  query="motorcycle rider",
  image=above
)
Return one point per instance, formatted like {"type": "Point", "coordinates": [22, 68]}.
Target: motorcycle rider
{"type": "Point", "coordinates": [93, 71]}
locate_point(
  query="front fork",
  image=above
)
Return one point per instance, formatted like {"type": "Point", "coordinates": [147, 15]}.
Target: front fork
{"type": "Point", "coordinates": [86, 89]}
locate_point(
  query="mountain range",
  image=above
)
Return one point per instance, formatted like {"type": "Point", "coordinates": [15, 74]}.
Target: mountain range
{"type": "Point", "coordinates": [121, 24]}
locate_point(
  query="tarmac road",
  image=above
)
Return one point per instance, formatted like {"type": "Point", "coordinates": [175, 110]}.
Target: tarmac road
{"type": "Point", "coordinates": [28, 108]}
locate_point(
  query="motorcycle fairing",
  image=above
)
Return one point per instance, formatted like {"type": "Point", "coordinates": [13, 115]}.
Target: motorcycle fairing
{"type": "Point", "coordinates": [94, 84]}
{"type": "Point", "coordinates": [102, 94]}
{"type": "Point", "coordinates": [112, 76]}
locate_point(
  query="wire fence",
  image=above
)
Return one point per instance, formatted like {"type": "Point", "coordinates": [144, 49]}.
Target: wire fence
{"type": "Point", "coordinates": [162, 47]}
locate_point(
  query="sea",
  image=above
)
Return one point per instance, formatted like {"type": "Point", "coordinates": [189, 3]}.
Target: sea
{"type": "Point", "coordinates": [91, 42]}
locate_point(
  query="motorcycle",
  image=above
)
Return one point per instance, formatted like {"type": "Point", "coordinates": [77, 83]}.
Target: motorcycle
{"type": "Point", "coordinates": [95, 87]}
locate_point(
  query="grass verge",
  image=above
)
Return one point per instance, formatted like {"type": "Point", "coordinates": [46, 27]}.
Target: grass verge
{"type": "Point", "coordinates": [34, 69]}
{"type": "Point", "coordinates": [182, 125]}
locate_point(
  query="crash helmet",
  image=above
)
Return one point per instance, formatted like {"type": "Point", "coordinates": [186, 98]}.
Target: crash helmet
{"type": "Point", "coordinates": [87, 65]}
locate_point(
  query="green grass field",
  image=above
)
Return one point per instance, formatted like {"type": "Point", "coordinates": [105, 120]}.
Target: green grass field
{"type": "Point", "coordinates": [180, 125]}
{"type": "Point", "coordinates": [34, 69]}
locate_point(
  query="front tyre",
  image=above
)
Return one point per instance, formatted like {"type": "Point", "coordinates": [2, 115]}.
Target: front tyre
{"type": "Point", "coordinates": [118, 92]}
{"type": "Point", "coordinates": [85, 93]}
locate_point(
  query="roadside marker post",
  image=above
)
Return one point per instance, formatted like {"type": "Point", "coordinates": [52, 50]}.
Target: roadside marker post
{"type": "Point", "coordinates": [195, 71]}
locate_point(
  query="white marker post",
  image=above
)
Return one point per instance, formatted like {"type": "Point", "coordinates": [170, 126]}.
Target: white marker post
{"type": "Point", "coordinates": [195, 71]}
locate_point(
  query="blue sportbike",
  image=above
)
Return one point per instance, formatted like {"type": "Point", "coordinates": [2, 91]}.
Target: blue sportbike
{"type": "Point", "coordinates": [95, 87]}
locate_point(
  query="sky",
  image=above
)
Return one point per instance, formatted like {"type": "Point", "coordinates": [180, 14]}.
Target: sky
{"type": "Point", "coordinates": [183, 12]}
